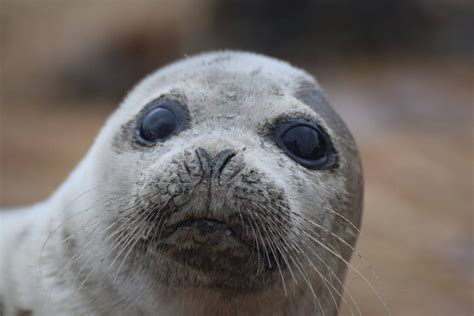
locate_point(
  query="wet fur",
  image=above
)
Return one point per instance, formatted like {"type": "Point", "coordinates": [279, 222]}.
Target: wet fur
{"type": "Point", "coordinates": [92, 247]}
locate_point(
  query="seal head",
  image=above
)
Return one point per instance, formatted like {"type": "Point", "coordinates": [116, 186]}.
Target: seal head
{"type": "Point", "coordinates": [225, 177]}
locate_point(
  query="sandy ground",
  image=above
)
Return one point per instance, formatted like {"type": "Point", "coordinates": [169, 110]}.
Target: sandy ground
{"type": "Point", "coordinates": [414, 127]}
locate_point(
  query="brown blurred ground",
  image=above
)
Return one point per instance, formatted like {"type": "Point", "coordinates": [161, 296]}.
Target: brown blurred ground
{"type": "Point", "coordinates": [64, 68]}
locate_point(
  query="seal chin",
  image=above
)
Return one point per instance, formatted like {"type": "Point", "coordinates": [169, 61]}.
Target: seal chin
{"type": "Point", "coordinates": [210, 246]}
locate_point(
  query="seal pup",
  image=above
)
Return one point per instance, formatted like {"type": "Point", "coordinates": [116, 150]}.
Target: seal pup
{"type": "Point", "coordinates": [224, 184]}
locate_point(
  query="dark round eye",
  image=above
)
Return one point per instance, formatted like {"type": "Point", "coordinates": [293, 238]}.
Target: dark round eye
{"type": "Point", "coordinates": [165, 118]}
{"type": "Point", "coordinates": [159, 123]}
{"type": "Point", "coordinates": [305, 143]}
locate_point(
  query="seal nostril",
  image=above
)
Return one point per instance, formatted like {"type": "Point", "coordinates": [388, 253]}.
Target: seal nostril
{"type": "Point", "coordinates": [214, 166]}
{"type": "Point", "coordinates": [204, 160]}
{"type": "Point", "coordinates": [221, 161]}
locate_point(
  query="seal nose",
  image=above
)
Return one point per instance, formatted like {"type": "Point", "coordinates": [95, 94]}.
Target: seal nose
{"type": "Point", "coordinates": [214, 167]}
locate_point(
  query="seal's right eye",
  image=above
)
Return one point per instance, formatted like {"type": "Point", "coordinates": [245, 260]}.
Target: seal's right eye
{"type": "Point", "coordinates": [159, 123]}
{"type": "Point", "coordinates": [165, 118]}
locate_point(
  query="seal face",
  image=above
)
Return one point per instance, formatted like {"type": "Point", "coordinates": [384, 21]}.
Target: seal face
{"type": "Point", "coordinates": [223, 184]}
{"type": "Point", "coordinates": [240, 178]}
{"type": "Point", "coordinates": [210, 211]}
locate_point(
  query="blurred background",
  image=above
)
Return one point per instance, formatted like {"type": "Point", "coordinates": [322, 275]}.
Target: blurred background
{"type": "Point", "coordinates": [399, 72]}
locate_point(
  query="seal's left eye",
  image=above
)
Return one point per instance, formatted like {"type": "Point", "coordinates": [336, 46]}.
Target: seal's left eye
{"type": "Point", "coordinates": [306, 143]}
{"type": "Point", "coordinates": [166, 117]}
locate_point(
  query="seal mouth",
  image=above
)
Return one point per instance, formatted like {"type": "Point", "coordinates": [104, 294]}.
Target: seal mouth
{"type": "Point", "coordinates": [213, 247]}
{"type": "Point", "coordinates": [203, 230]}
{"type": "Point", "coordinates": [206, 225]}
